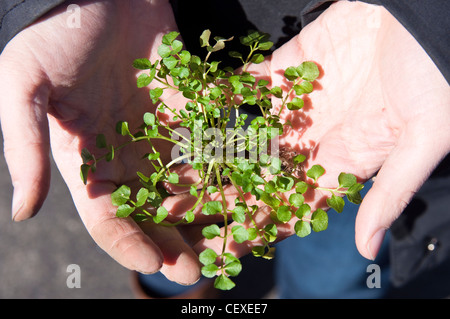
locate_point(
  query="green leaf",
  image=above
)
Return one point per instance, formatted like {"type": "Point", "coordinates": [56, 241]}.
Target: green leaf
{"type": "Point", "coordinates": [211, 189]}
{"type": "Point", "coordinates": [235, 54]}
{"type": "Point", "coordinates": [222, 282]}
{"type": "Point", "coordinates": [315, 172]}
{"type": "Point", "coordinates": [155, 94]}
{"type": "Point", "coordinates": [302, 228]}
{"type": "Point", "coordinates": [121, 195]}
{"type": "Point", "coordinates": [161, 214]}
{"type": "Point", "coordinates": [270, 187]}
{"type": "Point", "coordinates": [204, 38]}
{"type": "Point", "coordinates": [144, 178]}
{"type": "Point", "coordinates": [195, 62]}
{"type": "Point", "coordinates": [170, 37]}
{"type": "Point", "coordinates": [173, 178]}
{"type": "Point", "coordinates": [149, 119]}
{"type": "Point", "coordinates": [211, 231]}
{"type": "Point", "coordinates": [213, 67]}
{"type": "Point", "coordinates": [264, 46]}
{"type": "Point", "coordinates": [189, 216]}
{"type": "Point", "coordinates": [270, 232]}
{"type": "Point", "coordinates": [177, 45]}
{"type": "Point", "coordinates": [300, 158]}
{"type": "Point", "coordinates": [353, 194]}
{"type": "Point", "coordinates": [142, 64]}
{"type": "Point", "coordinates": [122, 128]}
{"type": "Point", "coordinates": [185, 57]}
{"type": "Point", "coordinates": [86, 155]}
{"type": "Point", "coordinates": [257, 58]}
{"type": "Point", "coordinates": [141, 197]}
{"type": "Point", "coordinates": [296, 199]}
{"type": "Point", "coordinates": [303, 211]}
{"type": "Point", "coordinates": [319, 220]}
{"type": "Point", "coordinates": [170, 62]}
{"type": "Point", "coordinates": [291, 73]}
{"type": "Point", "coordinates": [164, 50]}
{"type": "Point", "coordinates": [208, 256]}
{"type": "Point", "coordinates": [284, 183]}
{"type": "Point", "coordinates": [210, 270]}
{"type": "Point", "coordinates": [110, 155]}
{"type": "Point", "coordinates": [258, 251]}
{"type": "Point", "coordinates": [140, 217]}
{"type": "Point", "coordinates": [269, 200]}
{"type": "Point", "coordinates": [193, 190]}
{"type": "Point", "coordinates": [346, 180]}
{"type": "Point", "coordinates": [238, 214]}
{"type": "Point", "coordinates": [275, 165]}
{"type": "Point", "coordinates": [308, 71]}
{"type": "Point", "coordinates": [124, 211]}
{"type": "Point", "coordinates": [301, 187]}
{"type": "Point", "coordinates": [296, 104]}
{"type": "Point", "coordinates": [220, 44]}
{"type": "Point", "coordinates": [262, 83]}
{"type": "Point", "coordinates": [252, 233]}
{"type": "Point", "coordinates": [143, 80]}
{"type": "Point", "coordinates": [277, 92]}
{"type": "Point", "coordinates": [240, 234]}
{"type": "Point", "coordinates": [84, 172]}
{"type": "Point", "coordinates": [270, 253]}
{"type": "Point", "coordinates": [336, 202]}
{"type": "Point", "coordinates": [284, 213]}
{"type": "Point", "coordinates": [212, 208]}
{"type": "Point", "coordinates": [303, 88]}
{"type": "Point", "coordinates": [233, 268]}
{"type": "Point", "coordinates": [100, 141]}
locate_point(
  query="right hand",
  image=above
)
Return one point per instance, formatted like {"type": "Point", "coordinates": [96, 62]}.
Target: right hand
{"type": "Point", "coordinates": [59, 88]}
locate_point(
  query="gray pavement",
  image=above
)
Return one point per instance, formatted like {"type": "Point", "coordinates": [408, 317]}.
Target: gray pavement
{"type": "Point", "coordinates": [35, 254]}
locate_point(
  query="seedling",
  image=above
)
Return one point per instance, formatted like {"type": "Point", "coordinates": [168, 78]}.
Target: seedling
{"type": "Point", "coordinates": [224, 150]}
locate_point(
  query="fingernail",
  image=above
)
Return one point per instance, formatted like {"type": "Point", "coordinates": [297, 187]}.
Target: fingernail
{"type": "Point", "coordinates": [17, 202]}
{"type": "Point", "coordinates": [375, 243]}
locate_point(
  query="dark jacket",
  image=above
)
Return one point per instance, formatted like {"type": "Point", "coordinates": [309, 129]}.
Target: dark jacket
{"type": "Point", "coordinates": [420, 241]}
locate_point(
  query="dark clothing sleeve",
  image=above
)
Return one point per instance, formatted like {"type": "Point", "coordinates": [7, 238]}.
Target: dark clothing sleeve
{"type": "Point", "coordinates": [15, 15]}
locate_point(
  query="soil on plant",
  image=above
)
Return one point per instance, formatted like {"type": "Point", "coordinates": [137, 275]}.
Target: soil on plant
{"type": "Point", "coordinates": [287, 163]}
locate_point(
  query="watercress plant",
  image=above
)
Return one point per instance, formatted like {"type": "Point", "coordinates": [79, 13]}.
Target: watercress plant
{"type": "Point", "coordinates": [223, 150]}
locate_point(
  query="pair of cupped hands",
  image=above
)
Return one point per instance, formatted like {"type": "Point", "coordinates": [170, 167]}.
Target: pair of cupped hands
{"type": "Point", "coordinates": [380, 107]}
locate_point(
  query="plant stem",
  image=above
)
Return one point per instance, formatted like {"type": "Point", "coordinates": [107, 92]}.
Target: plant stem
{"type": "Point", "coordinates": [225, 215]}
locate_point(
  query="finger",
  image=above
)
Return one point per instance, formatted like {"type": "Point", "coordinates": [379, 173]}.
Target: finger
{"type": "Point", "coordinates": [187, 177]}
{"type": "Point", "coordinates": [23, 113]}
{"type": "Point", "coordinates": [175, 101]}
{"type": "Point", "coordinates": [405, 170]}
{"type": "Point", "coordinates": [121, 238]}
{"type": "Point", "coordinates": [180, 261]}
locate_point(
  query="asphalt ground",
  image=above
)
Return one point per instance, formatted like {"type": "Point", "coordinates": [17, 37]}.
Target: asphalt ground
{"type": "Point", "coordinates": [35, 254]}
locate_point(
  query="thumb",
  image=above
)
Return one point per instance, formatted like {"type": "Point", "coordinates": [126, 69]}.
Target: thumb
{"type": "Point", "coordinates": [405, 170]}
{"type": "Point", "coordinates": [23, 106]}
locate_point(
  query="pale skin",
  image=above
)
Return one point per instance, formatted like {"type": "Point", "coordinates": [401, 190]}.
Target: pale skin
{"type": "Point", "coordinates": [385, 117]}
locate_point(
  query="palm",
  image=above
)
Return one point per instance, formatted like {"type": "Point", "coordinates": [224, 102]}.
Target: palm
{"type": "Point", "coordinates": [368, 113]}
{"type": "Point", "coordinates": [86, 82]}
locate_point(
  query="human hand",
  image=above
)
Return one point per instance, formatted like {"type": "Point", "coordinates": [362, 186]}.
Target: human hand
{"type": "Point", "coordinates": [60, 87]}
{"type": "Point", "coordinates": [380, 107]}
